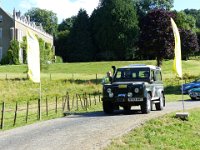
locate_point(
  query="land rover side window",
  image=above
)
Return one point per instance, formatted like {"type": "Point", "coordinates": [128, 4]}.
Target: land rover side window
{"type": "Point", "coordinates": [152, 75]}
{"type": "Point", "coordinates": [158, 75]}
{"type": "Point", "coordinates": [143, 74]}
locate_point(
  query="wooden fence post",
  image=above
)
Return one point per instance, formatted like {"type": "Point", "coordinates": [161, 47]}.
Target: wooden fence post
{"type": "Point", "coordinates": [2, 115]}
{"type": "Point", "coordinates": [56, 105]}
{"type": "Point", "coordinates": [27, 109]}
{"type": "Point", "coordinates": [47, 107]}
{"type": "Point", "coordinates": [99, 97]}
{"type": "Point", "coordinates": [39, 109]}
{"type": "Point", "coordinates": [90, 100]}
{"type": "Point", "coordinates": [72, 103]}
{"type": "Point", "coordinates": [95, 102]}
{"type": "Point", "coordinates": [86, 100]}
{"type": "Point", "coordinates": [68, 104]}
{"type": "Point", "coordinates": [64, 103]}
{"type": "Point", "coordinates": [96, 79]}
{"type": "Point", "coordinates": [15, 117]}
{"type": "Point", "coordinates": [76, 101]}
{"type": "Point", "coordinates": [81, 101]}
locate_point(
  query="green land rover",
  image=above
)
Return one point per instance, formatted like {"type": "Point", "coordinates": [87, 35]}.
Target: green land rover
{"type": "Point", "coordinates": [134, 85]}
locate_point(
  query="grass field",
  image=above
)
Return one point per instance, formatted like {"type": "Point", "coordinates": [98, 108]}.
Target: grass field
{"type": "Point", "coordinates": [166, 133]}
{"type": "Point", "coordinates": [78, 78]}
{"type": "Point", "coordinates": [57, 79]}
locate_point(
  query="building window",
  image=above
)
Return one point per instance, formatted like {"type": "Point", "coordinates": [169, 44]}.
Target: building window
{"type": "Point", "coordinates": [1, 53]}
{"type": "Point", "coordinates": [1, 18]}
{"type": "Point", "coordinates": [0, 33]}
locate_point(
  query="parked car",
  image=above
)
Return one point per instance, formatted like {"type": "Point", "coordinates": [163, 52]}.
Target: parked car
{"type": "Point", "coordinates": [188, 86]}
{"type": "Point", "coordinates": [194, 93]}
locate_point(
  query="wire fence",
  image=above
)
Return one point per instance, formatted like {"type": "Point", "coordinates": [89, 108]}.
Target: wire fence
{"type": "Point", "coordinates": [48, 107]}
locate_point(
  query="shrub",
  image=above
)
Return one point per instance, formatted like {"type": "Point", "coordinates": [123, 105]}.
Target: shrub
{"type": "Point", "coordinates": [58, 59]}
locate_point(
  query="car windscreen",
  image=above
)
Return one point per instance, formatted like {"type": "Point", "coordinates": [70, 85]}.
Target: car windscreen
{"type": "Point", "coordinates": [132, 74]}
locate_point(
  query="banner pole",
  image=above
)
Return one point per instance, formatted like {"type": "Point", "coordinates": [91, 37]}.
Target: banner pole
{"type": "Point", "coordinates": [184, 115]}
{"type": "Point", "coordinates": [40, 94]}
{"type": "Point", "coordinates": [182, 96]}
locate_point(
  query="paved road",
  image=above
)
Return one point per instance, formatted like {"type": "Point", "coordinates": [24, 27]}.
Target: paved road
{"type": "Point", "coordinates": [89, 131]}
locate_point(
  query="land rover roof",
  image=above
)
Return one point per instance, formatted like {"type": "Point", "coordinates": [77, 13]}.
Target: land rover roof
{"type": "Point", "coordinates": [141, 66]}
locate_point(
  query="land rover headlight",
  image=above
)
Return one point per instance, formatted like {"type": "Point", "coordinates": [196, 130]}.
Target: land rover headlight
{"type": "Point", "coordinates": [130, 94]}
{"type": "Point", "coordinates": [109, 90]}
{"type": "Point", "coordinates": [136, 90]}
{"type": "Point", "coordinates": [111, 94]}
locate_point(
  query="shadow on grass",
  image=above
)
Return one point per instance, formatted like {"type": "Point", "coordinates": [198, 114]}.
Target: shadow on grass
{"type": "Point", "coordinates": [190, 100]}
{"type": "Point", "coordinates": [173, 90]}
{"type": "Point", "coordinates": [17, 79]}
{"type": "Point", "coordinates": [79, 81]}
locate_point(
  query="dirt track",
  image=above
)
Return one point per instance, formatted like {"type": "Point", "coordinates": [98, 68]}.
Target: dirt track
{"type": "Point", "coordinates": [85, 132]}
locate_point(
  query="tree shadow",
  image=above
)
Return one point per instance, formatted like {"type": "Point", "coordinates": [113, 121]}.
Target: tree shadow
{"type": "Point", "coordinates": [17, 79]}
{"type": "Point", "coordinates": [190, 100]}
{"type": "Point", "coordinates": [173, 90]}
{"type": "Point", "coordinates": [79, 81]}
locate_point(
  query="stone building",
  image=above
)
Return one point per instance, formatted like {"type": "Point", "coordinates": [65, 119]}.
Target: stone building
{"type": "Point", "coordinates": [14, 27]}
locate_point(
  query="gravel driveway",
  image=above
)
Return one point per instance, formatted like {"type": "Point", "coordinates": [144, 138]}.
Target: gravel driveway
{"type": "Point", "coordinates": [89, 131]}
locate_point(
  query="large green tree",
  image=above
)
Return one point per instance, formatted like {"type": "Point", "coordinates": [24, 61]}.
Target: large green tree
{"type": "Point", "coordinates": [156, 37]}
{"type": "Point", "coordinates": [144, 6]}
{"type": "Point", "coordinates": [47, 18]}
{"type": "Point", "coordinates": [196, 14]}
{"type": "Point", "coordinates": [147, 5]}
{"type": "Point", "coordinates": [185, 21]}
{"type": "Point", "coordinates": [61, 44]}
{"type": "Point", "coordinates": [115, 29]}
{"type": "Point", "coordinates": [80, 46]}
{"type": "Point", "coordinates": [61, 40]}
{"type": "Point", "coordinates": [189, 43]}
{"type": "Point", "coordinates": [66, 24]}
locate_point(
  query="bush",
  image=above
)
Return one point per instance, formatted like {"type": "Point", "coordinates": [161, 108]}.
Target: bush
{"type": "Point", "coordinates": [58, 59]}
{"type": "Point", "coordinates": [7, 59]}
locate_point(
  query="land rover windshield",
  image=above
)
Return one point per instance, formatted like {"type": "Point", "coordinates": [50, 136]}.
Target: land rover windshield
{"type": "Point", "coordinates": [132, 74]}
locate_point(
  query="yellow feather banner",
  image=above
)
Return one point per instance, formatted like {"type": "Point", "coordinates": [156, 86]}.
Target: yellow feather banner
{"type": "Point", "coordinates": [33, 57]}
{"type": "Point", "coordinates": [177, 65]}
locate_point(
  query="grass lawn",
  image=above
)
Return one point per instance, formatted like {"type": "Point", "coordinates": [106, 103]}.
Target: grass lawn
{"type": "Point", "coordinates": [57, 79]}
{"type": "Point", "coordinates": [166, 133]}
{"type": "Point", "coordinates": [78, 78]}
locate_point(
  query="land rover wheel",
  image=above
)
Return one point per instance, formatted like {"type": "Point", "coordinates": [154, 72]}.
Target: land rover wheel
{"type": "Point", "coordinates": [146, 106]}
{"type": "Point", "coordinates": [160, 104]}
{"type": "Point", "coordinates": [107, 107]}
{"type": "Point", "coordinates": [193, 98]}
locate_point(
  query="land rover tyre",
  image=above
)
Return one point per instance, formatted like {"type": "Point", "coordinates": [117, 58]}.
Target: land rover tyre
{"type": "Point", "coordinates": [146, 105]}
{"type": "Point", "coordinates": [160, 104]}
{"type": "Point", "coordinates": [108, 107]}
{"type": "Point", "coordinates": [193, 98]}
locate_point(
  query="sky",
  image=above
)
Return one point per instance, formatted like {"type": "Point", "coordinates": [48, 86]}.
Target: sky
{"type": "Point", "coordinates": [67, 8]}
